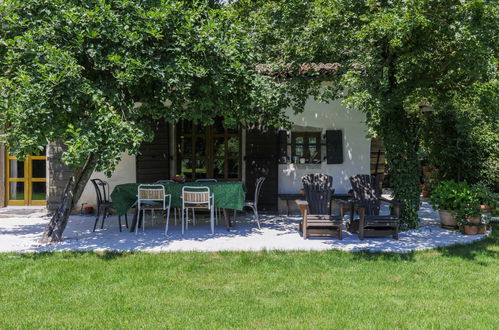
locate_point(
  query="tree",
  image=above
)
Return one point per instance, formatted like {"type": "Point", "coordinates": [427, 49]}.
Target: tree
{"type": "Point", "coordinates": [392, 55]}
{"type": "Point", "coordinates": [92, 74]}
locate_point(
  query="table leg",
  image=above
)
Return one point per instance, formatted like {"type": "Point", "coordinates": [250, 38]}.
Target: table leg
{"type": "Point", "coordinates": [227, 220]}
{"type": "Point", "coordinates": [287, 207]}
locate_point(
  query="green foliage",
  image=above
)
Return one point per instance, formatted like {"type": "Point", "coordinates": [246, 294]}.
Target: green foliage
{"type": "Point", "coordinates": [462, 136]}
{"type": "Point", "coordinates": [93, 74]}
{"type": "Point", "coordinates": [462, 199]}
{"type": "Point", "coordinates": [450, 195]}
{"type": "Point", "coordinates": [393, 55]}
{"type": "Point", "coordinates": [485, 196]}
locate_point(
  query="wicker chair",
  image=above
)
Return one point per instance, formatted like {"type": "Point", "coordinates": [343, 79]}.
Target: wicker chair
{"type": "Point", "coordinates": [317, 220]}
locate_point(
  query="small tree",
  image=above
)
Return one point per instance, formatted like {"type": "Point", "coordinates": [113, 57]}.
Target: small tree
{"type": "Point", "coordinates": [392, 55]}
{"type": "Point", "coordinates": [89, 73]}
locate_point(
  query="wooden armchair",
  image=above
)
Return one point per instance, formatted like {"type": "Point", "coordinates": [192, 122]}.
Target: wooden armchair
{"type": "Point", "coordinates": [367, 202]}
{"type": "Point", "coordinates": [317, 218]}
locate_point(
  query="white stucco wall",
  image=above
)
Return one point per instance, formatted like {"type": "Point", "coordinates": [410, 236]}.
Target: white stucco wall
{"type": "Point", "coordinates": [356, 146]}
{"type": "Point", "coordinates": [356, 151]}
{"type": "Point", "coordinates": [125, 173]}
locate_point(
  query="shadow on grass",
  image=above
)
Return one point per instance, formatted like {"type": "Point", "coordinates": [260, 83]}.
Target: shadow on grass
{"type": "Point", "coordinates": [474, 250]}
{"type": "Point", "coordinates": [103, 255]}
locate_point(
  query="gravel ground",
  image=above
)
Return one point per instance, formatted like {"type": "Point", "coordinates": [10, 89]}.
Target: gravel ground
{"type": "Point", "coordinates": [277, 233]}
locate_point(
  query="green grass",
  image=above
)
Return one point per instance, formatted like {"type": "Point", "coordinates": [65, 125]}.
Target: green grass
{"type": "Point", "coordinates": [454, 287]}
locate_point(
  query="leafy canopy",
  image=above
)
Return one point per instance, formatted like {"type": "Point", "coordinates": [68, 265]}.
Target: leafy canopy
{"type": "Point", "coordinates": [93, 74]}
{"type": "Point", "coordinates": [392, 55]}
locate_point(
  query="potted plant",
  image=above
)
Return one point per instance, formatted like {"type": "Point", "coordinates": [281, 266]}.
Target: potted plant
{"type": "Point", "coordinates": [469, 218]}
{"type": "Point", "coordinates": [487, 198]}
{"type": "Point", "coordinates": [449, 197]}
{"type": "Point", "coordinates": [424, 191]}
{"type": "Point", "coordinates": [179, 178]}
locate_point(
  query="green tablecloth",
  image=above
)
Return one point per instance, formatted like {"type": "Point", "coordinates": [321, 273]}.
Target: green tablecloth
{"type": "Point", "coordinates": [228, 195]}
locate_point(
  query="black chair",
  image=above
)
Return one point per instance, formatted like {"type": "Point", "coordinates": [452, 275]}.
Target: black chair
{"type": "Point", "coordinates": [317, 220]}
{"type": "Point", "coordinates": [367, 201]}
{"type": "Point", "coordinates": [103, 203]}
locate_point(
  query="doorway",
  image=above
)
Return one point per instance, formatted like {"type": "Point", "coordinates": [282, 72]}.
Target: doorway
{"type": "Point", "coordinates": [26, 182]}
{"type": "Point", "coordinates": [209, 151]}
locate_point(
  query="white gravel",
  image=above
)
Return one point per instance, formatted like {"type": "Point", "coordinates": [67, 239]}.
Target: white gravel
{"type": "Point", "coordinates": [277, 233]}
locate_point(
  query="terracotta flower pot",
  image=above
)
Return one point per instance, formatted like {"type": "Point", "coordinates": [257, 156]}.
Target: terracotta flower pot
{"type": "Point", "coordinates": [425, 193]}
{"type": "Point", "coordinates": [470, 230]}
{"type": "Point", "coordinates": [485, 208]}
{"type": "Point", "coordinates": [447, 220]}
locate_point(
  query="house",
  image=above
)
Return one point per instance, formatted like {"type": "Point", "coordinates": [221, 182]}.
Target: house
{"type": "Point", "coordinates": [326, 138]}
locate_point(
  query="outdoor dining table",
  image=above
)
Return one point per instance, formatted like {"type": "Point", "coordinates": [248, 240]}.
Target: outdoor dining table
{"type": "Point", "coordinates": [228, 195]}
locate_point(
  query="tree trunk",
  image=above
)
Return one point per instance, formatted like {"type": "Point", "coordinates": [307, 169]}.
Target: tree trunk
{"type": "Point", "coordinates": [72, 193]}
{"type": "Point", "coordinates": [400, 140]}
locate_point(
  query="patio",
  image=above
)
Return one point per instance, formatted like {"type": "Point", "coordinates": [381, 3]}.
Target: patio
{"type": "Point", "coordinates": [278, 233]}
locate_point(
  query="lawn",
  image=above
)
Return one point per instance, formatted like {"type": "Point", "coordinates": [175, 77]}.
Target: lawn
{"type": "Point", "coordinates": [454, 287]}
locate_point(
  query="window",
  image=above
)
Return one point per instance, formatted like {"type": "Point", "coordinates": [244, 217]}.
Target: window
{"type": "Point", "coordinates": [306, 147]}
{"type": "Point", "coordinates": [209, 151]}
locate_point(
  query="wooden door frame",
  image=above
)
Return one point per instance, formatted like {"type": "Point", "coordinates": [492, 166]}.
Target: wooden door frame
{"type": "Point", "coordinates": [27, 180]}
{"type": "Point", "coordinates": [209, 137]}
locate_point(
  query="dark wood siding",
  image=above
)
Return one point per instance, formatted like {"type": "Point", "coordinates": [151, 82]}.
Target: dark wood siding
{"type": "Point", "coordinates": [262, 160]}
{"type": "Point", "coordinates": [153, 160]}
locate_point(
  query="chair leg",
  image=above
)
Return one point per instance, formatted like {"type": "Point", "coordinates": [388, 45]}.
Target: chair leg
{"type": "Point", "coordinates": [97, 218]}
{"type": "Point", "coordinates": [167, 220]}
{"type": "Point", "coordinates": [119, 221]}
{"type": "Point", "coordinates": [126, 220]}
{"type": "Point", "coordinates": [212, 220]}
{"type": "Point", "coordinates": [193, 218]}
{"type": "Point", "coordinates": [182, 214]}
{"type": "Point", "coordinates": [104, 215]}
{"type": "Point", "coordinates": [143, 220]}
{"type": "Point", "coordinates": [234, 219]}
{"type": "Point", "coordinates": [175, 215]}
{"type": "Point", "coordinates": [138, 220]}
{"type": "Point", "coordinates": [340, 233]}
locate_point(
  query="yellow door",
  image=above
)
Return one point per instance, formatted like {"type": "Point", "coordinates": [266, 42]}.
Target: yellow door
{"type": "Point", "coordinates": [26, 180]}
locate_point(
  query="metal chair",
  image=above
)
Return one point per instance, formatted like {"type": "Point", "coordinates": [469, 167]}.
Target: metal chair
{"type": "Point", "coordinates": [195, 197]}
{"type": "Point", "coordinates": [253, 204]}
{"type": "Point", "coordinates": [175, 208]}
{"type": "Point", "coordinates": [152, 197]}
{"type": "Point", "coordinates": [317, 220]}
{"type": "Point", "coordinates": [103, 203]}
{"type": "Point", "coordinates": [218, 210]}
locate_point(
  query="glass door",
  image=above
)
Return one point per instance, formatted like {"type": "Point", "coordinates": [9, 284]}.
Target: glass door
{"type": "Point", "coordinates": [26, 180]}
{"type": "Point", "coordinates": [209, 152]}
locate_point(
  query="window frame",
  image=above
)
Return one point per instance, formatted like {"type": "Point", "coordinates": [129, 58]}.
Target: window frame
{"type": "Point", "coordinates": [306, 146]}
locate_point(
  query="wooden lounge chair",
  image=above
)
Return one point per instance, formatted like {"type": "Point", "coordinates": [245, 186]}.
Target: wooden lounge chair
{"type": "Point", "coordinates": [317, 218]}
{"type": "Point", "coordinates": [367, 202]}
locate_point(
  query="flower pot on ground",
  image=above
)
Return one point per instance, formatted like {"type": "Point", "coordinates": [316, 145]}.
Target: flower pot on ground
{"type": "Point", "coordinates": [449, 197]}
{"type": "Point", "coordinates": [425, 193]}
{"type": "Point", "coordinates": [447, 219]}
{"type": "Point", "coordinates": [470, 229]}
